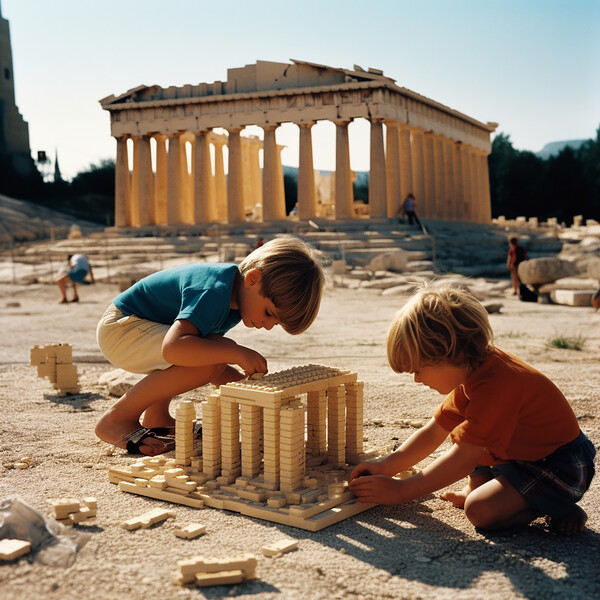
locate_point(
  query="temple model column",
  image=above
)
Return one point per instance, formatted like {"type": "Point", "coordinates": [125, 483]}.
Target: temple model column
{"type": "Point", "coordinates": [377, 184]}
{"type": "Point", "coordinates": [405, 152]}
{"type": "Point", "coordinates": [344, 194]}
{"type": "Point", "coordinates": [160, 179]}
{"type": "Point", "coordinates": [392, 170]}
{"type": "Point", "coordinates": [418, 169]}
{"type": "Point", "coordinates": [174, 184]}
{"type": "Point", "coordinates": [429, 172]}
{"type": "Point", "coordinates": [235, 192]}
{"type": "Point", "coordinates": [273, 203]}
{"type": "Point", "coordinates": [204, 201]}
{"type": "Point", "coordinates": [307, 197]}
{"type": "Point", "coordinates": [122, 185]}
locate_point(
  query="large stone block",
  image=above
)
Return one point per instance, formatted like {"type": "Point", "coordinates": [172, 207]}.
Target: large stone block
{"type": "Point", "coordinates": [545, 270]}
{"type": "Point", "coordinates": [593, 269]}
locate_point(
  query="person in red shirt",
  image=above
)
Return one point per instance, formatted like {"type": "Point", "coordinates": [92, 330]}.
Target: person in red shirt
{"type": "Point", "coordinates": [513, 432]}
{"type": "Point", "coordinates": [516, 255]}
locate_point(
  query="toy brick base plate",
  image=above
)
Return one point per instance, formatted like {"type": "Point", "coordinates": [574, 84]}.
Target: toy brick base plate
{"type": "Point", "coordinates": [313, 508]}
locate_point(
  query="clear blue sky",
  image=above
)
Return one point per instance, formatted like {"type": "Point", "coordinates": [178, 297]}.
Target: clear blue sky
{"type": "Point", "coordinates": [533, 66]}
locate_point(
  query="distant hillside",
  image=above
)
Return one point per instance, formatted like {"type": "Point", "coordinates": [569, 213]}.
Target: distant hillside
{"type": "Point", "coordinates": [24, 221]}
{"type": "Point", "coordinates": [554, 148]}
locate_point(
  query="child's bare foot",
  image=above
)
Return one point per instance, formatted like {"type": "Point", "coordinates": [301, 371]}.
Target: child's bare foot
{"type": "Point", "coordinates": [457, 498]}
{"type": "Point", "coordinates": [571, 523]}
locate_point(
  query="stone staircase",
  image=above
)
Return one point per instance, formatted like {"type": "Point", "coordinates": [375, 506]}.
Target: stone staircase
{"type": "Point", "coordinates": [443, 247]}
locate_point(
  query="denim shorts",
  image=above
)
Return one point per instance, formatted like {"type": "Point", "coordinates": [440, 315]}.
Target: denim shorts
{"type": "Point", "coordinates": [552, 484]}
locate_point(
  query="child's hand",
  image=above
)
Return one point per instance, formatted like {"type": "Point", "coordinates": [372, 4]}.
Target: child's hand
{"type": "Point", "coordinates": [251, 361]}
{"type": "Point", "coordinates": [377, 489]}
{"type": "Point", "coordinates": [368, 468]}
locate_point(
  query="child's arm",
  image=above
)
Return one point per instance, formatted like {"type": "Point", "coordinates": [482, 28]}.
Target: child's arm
{"type": "Point", "coordinates": [450, 467]}
{"type": "Point", "coordinates": [183, 345]}
{"type": "Point", "coordinates": [418, 446]}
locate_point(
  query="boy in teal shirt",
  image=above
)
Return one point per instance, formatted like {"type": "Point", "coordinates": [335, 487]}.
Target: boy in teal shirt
{"type": "Point", "coordinates": [171, 326]}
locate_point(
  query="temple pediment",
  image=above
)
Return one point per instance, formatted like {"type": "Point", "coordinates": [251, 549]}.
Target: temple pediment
{"type": "Point", "coordinates": [262, 76]}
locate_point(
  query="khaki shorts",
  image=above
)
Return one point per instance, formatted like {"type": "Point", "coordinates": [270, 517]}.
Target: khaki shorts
{"type": "Point", "coordinates": [131, 343]}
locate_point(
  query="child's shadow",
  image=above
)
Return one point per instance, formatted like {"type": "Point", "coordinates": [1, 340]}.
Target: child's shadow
{"type": "Point", "coordinates": [409, 542]}
{"type": "Point", "coordinates": [78, 402]}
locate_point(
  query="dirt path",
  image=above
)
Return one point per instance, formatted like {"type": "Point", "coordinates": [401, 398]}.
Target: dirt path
{"type": "Point", "coordinates": [424, 549]}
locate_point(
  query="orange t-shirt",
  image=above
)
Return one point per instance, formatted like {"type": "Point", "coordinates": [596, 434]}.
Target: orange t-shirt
{"type": "Point", "coordinates": [511, 410]}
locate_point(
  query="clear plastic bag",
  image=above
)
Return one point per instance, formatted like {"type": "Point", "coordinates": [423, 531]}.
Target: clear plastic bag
{"type": "Point", "coordinates": [52, 543]}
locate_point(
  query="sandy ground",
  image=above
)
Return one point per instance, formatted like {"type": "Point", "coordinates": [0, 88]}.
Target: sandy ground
{"type": "Point", "coordinates": [424, 549]}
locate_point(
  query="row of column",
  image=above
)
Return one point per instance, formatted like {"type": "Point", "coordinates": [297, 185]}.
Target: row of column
{"type": "Point", "coordinates": [449, 179]}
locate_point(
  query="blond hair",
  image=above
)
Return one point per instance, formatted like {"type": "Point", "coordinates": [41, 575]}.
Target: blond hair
{"type": "Point", "coordinates": [439, 323]}
{"type": "Point", "coordinates": [292, 278]}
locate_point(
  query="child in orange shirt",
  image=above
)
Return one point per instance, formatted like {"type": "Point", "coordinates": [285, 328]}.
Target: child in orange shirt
{"type": "Point", "coordinates": [514, 434]}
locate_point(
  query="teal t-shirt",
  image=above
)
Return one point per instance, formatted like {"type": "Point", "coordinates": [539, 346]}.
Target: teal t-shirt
{"type": "Point", "coordinates": [198, 292]}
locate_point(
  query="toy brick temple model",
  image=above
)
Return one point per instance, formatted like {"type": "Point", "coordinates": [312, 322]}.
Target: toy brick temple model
{"type": "Point", "coordinates": [275, 448]}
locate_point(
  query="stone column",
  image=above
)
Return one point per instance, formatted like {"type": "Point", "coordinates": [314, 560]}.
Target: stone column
{"type": "Point", "coordinates": [187, 177]}
{"type": "Point", "coordinates": [204, 201]}
{"type": "Point", "coordinates": [418, 170]}
{"type": "Point", "coordinates": [273, 202]}
{"type": "Point", "coordinates": [377, 187]}
{"type": "Point", "coordinates": [253, 193]}
{"type": "Point", "coordinates": [459, 205]}
{"type": "Point", "coordinates": [450, 198]}
{"type": "Point", "coordinates": [135, 182]}
{"type": "Point", "coordinates": [344, 194]}
{"type": "Point", "coordinates": [429, 176]}
{"type": "Point", "coordinates": [174, 183]}
{"type": "Point", "coordinates": [392, 169]}
{"type": "Point", "coordinates": [122, 184]}
{"type": "Point", "coordinates": [466, 179]}
{"type": "Point", "coordinates": [485, 212]}
{"type": "Point", "coordinates": [307, 197]}
{"type": "Point", "coordinates": [235, 192]}
{"type": "Point", "coordinates": [475, 196]}
{"type": "Point", "coordinates": [160, 179]}
{"type": "Point", "coordinates": [220, 181]}
{"type": "Point", "coordinates": [405, 152]}
{"type": "Point", "coordinates": [145, 181]}
{"type": "Point", "coordinates": [438, 166]}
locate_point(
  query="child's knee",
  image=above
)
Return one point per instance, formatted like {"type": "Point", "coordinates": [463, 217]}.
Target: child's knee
{"type": "Point", "coordinates": [479, 512]}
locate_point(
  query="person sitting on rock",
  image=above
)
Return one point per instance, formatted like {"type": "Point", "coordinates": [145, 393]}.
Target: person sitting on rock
{"type": "Point", "coordinates": [514, 434]}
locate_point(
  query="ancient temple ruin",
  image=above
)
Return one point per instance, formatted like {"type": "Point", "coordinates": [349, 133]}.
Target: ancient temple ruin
{"type": "Point", "coordinates": [435, 152]}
